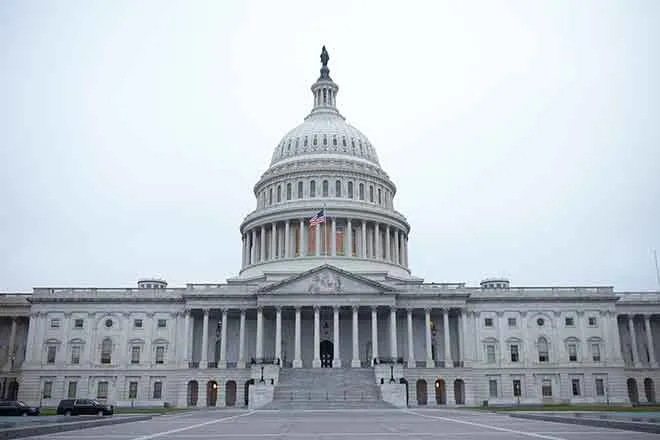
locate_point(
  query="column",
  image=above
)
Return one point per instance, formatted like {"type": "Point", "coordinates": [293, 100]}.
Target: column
{"type": "Point", "coordinates": [241, 341]}
{"type": "Point", "coordinates": [393, 345]}
{"type": "Point", "coordinates": [459, 330]}
{"type": "Point", "coordinates": [378, 253]}
{"type": "Point", "coordinates": [316, 363]}
{"type": "Point", "coordinates": [186, 338]}
{"type": "Point", "coordinates": [411, 340]}
{"type": "Point", "coordinates": [253, 246]}
{"type": "Point", "coordinates": [388, 251]}
{"type": "Point", "coordinates": [397, 251]}
{"type": "Point", "coordinates": [336, 360]}
{"type": "Point", "coordinates": [374, 333]}
{"type": "Point", "coordinates": [243, 250]}
{"type": "Point", "coordinates": [405, 250]}
{"type": "Point", "coordinates": [649, 341]}
{"type": "Point", "coordinates": [297, 361]}
{"type": "Point", "coordinates": [333, 238]}
{"type": "Point", "coordinates": [349, 240]}
{"type": "Point", "coordinates": [445, 322]}
{"type": "Point", "coordinates": [278, 335]}
{"type": "Point", "coordinates": [584, 347]}
{"type": "Point", "coordinates": [287, 239]}
{"type": "Point", "coordinates": [205, 340]}
{"type": "Point", "coordinates": [302, 237]}
{"type": "Point", "coordinates": [260, 334]}
{"type": "Point", "coordinates": [12, 343]}
{"type": "Point", "coordinates": [355, 363]}
{"type": "Point", "coordinates": [262, 253]}
{"type": "Point", "coordinates": [223, 340]}
{"type": "Point", "coordinates": [363, 250]}
{"type": "Point", "coordinates": [317, 244]}
{"type": "Point", "coordinates": [273, 243]}
{"type": "Point", "coordinates": [429, 342]}
{"type": "Point", "coordinates": [467, 351]}
{"type": "Point", "coordinates": [633, 340]}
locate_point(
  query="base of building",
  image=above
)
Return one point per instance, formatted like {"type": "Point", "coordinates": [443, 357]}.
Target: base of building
{"type": "Point", "coordinates": [355, 364]}
{"type": "Point", "coordinates": [297, 363]}
{"type": "Point", "coordinates": [336, 363]}
{"type": "Point", "coordinates": [316, 363]}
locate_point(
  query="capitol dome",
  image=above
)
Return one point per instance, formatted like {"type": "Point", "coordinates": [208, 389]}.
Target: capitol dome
{"type": "Point", "coordinates": [324, 165]}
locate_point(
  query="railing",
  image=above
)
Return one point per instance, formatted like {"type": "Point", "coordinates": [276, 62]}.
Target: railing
{"type": "Point", "coordinates": [327, 396]}
{"type": "Point", "coordinates": [389, 360]}
{"type": "Point", "coordinates": [265, 361]}
{"type": "Point", "coordinates": [193, 364]}
{"type": "Point", "coordinates": [212, 364]}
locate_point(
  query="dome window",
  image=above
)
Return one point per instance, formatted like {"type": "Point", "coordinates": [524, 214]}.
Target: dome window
{"type": "Point", "coordinates": [334, 141]}
{"type": "Point", "coordinates": [305, 144]}
{"type": "Point", "coordinates": [325, 188]}
{"type": "Point", "coordinates": [371, 193]}
{"type": "Point", "coordinates": [312, 188]}
{"type": "Point", "coordinates": [325, 140]}
{"type": "Point", "coordinates": [288, 147]}
{"type": "Point", "coordinates": [300, 190]}
{"type": "Point", "coordinates": [338, 188]}
{"type": "Point", "coordinates": [353, 145]}
{"type": "Point", "coordinates": [350, 190]}
{"type": "Point", "coordinates": [288, 191]}
{"type": "Point", "coordinates": [343, 141]}
{"type": "Point", "coordinates": [270, 196]}
{"type": "Point", "coordinates": [316, 142]}
{"type": "Point", "coordinates": [361, 191]}
{"type": "Point", "coordinates": [279, 193]}
{"type": "Point", "coordinates": [380, 197]}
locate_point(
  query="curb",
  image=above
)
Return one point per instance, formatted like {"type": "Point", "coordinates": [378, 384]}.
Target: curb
{"type": "Point", "coordinates": [28, 431]}
{"type": "Point", "coordinates": [640, 426]}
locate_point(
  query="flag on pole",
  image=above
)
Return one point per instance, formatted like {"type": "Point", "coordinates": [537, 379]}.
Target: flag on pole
{"type": "Point", "coordinates": [318, 218]}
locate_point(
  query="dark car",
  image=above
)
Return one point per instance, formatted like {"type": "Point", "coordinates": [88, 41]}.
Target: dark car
{"type": "Point", "coordinates": [17, 408]}
{"type": "Point", "coordinates": [74, 407]}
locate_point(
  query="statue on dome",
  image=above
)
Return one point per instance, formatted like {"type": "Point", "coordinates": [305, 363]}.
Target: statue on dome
{"type": "Point", "coordinates": [324, 57]}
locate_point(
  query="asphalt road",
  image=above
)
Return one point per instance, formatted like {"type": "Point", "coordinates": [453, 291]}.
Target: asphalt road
{"type": "Point", "coordinates": [344, 424]}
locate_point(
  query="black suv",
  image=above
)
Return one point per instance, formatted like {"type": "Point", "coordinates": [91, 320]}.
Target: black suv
{"type": "Point", "coordinates": [17, 408]}
{"type": "Point", "coordinates": [74, 407]}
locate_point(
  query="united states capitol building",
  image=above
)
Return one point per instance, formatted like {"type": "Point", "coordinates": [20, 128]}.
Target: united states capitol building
{"type": "Point", "coordinates": [325, 308]}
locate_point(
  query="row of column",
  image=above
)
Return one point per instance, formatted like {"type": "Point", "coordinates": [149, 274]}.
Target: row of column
{"type": "Point", "coordinates": [636, 361]}
{"type": "Point", "coordinates": [11, 349]}
{"type": "Point", "coordinates": [359, 238]}
{"type": "Point", "coordinates": [297, 363]}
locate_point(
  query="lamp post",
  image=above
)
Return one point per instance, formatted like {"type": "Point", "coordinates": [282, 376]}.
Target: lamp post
{"type": "Point", "coordinates": [262, 375]}
{"type": "Point", "coordinates": [391, 373]}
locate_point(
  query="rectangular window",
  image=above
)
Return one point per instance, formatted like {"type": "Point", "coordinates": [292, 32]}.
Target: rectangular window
{"type": "Point", "coordinates": [517, 388]}
{"type": "Point", "coordinates": [312, 188]}
{"type": "Point", "coordinates": [78, 323]}
{"type": "Point", "coordinates": [514, 353]}
{"type": "Point", "coordinates": [595, 352]}
{"type": "Point", "coordinates": [600, 387]}
{"type": "Point", "coordinates": [492, 388]}
{"type": "Point", "coordinates": [135, 354]}
{"type": "Point", "coordinates": [488, 322]}
{"type": "Point", "coordinates": [55, 323]}
{"type": "Point", "coordinates": [162, 323]}
{"type": "Point", "coordinates": [75, 354]}
{"type": "Point", "coordinates": [48, 390]}
{"type": "Point", "coordinates": [158, 390]}
{"type": "Point", "coordinates": [572, 352]}
{"type": "Point", "coordinates": [380, 197]}
{"type": "Point", "coordinates": [288, 191]}
{"type": "Point", "coordinates": [546, 388]}
{"type": "Point", "coordinates": [490, 353]}
{"type": "Point", "coordinates": [102, 390]}
{"type": "Point", "coordinates": [361, 191]}
{"type": "Point", "coordinates": [52, 351]}
{"type": "Point", "coordinates": [270, 196]}
{"type": "Point", "coordinates": [325, 188]}
{"type": "Point", "coordinates": [300, 190]}
{"type": "Point", "coordinates": [350, 190]}
{"type": "Point", "coordinates": [575, 385]}
{"type": "Point", "coordinates": [132, 390]}
{"type": "Point", "coordinates": [73, 389]}
{"type": "Point", "coordinates": [593, 322]}
{"type": "Point", "coordinates": [371, 193]}
{"type": "Point", "coordinates": [137, 323]}
{"type": "Point", "coordinates": [338, 188]}
{"type": "Point", "coordinates": [160, 354]}
{"type": "Point", "coordinates": [569, 322]}
{"type": "Point", "coordinates": [279, 193]}
{"type": "Point", "coordinates": [512, 322]}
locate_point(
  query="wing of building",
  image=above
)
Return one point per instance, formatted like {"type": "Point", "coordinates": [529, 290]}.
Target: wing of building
{"type": "Point", "coordinates": [325, 308]}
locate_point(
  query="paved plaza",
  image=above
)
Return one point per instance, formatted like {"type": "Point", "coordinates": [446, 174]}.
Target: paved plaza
{"type": "Point", "coordinates": [344, 424]}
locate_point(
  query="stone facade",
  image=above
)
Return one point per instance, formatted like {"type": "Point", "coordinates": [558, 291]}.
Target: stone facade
{"type": "Point", "coordinates": [338, 294]}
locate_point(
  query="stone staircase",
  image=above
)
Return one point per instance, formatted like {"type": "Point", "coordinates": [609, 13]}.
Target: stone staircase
{"type": "Point", "coordinates": [326, 388]}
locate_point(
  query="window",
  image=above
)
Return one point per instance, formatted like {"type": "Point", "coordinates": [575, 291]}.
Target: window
{"type": "Point", "coordinates": [488, 322]}
{"type": "Point", "coordinates": [108, 323]}
{"type": "Point", "coordinates": [492, 388]}
{"type": "Point", "coordinates": [600, 387]}
{"type": "Point", "coordinates": [543, 350]}
{"type": "Point", "coordinates": [270, 196]}
{"type": "Point", "coordinates": [55, 323]}
{"type": "Point", "coordinates": [575, 386]}
{"type": "Point", "coordinates": [517, 388]}
{"type": "Point", "coordinates": [75, 354]}
{"type": "Point", "coordinates": [514, 352]}
{"type": "Point", "coordinates": [490, 353]}
{"type": "Point", "coordinates": [73, 389]}
{"type": "Point", "coordinates": [593, 322]}
{"type": "Point", "coordinates": [361, 191]}
{"type": "Point", "coordinates": [325, 188]}
{"type": "Point", "coordinates": [160, 354]}
{"type": "Point", "coordinates": [102, 390]}
{"type": "Point", "coordinates": [312, 188]}
{"type": "Point", "coordinates": [546, 388]}
{"type": "Point", "coordinates": [300, 190]}
{"type": "Point", "coordinates": [48, 390]}
{"type": "Point", "coordinates": [135, 354]}
{"type": "Point", "coordinates": [380, 197]}
{"type": "Point", "coordinates": [279, 193]}
{"type": "Point", "coordinates": [78, 323]}
{"type": "Point", "coordinates": [371, 193]}
{"type": "Point", "coordinates": [595, 352]}
{"type": "Point", "coordinates": [158, 390]}
{"type": "Point", "coordinates": [572, 352]}
{"type": "Point", "coordinates": [162, 323]}
{"type": "Point", "coordinates": [137, 323]}
{"type": "Point", "coordinates": [288, 191]}
{"type": "Point", "coordinates": [512, 322]}
{"type": "Point", "coordinates": [132, 390]}
{"type": "Point", "coordinates": [51, 353]}
{"type": "Point", "coordinates": [338, 188]}
{"type": "Point", "coordinates": [106, 351]}
{"type": "Point", "coordinates": [350, 190]}
{"type": "Point", "coordinates": [540, 322]}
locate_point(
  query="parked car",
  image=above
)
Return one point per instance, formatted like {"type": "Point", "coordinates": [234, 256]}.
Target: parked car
{"type": "Point", "coordinates": [74, 407]}
{"type": "Point", "coordinates": [17, 408]}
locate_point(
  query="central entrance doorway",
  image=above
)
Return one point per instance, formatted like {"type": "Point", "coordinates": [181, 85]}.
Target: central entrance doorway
{"type": "Point", "coordinates": [327, 353]}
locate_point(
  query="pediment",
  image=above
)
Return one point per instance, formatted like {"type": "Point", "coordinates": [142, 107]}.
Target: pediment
{"type": "Point", "coordinates": [326, 280]}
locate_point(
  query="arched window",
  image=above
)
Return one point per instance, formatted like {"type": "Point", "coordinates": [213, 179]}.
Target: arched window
{"type": "Point", "coordinates": [371, 193]}
{"type": "Point", "coordinates": [312, 188]}
{"type": "Point", "coordinates": [300, 190]}
{"type": "Point", "coordinates": [106, 351]}
{"type": "Point", "coordinates": [279, 193]}
{"type": "Point", "coordinates": [270, 196]}
{"type": "Point", "coordinates": [362, 191]}
{"type": "Point", "coordinates": [288, 191]}
{"type": "Point", "coordinates": [542, 345]}
{"type": "Point", "coordinates": [380, 197]}
{"type": "Point", "coordinates": [350, 190]}
{"type": "Point", "coordinates": [325, 188]}
{"type": "Point", "coordinates": [338, 188]}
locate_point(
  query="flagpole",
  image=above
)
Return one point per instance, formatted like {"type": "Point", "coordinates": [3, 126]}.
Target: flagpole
{"type": "Point", "coordinates": [657, 269]}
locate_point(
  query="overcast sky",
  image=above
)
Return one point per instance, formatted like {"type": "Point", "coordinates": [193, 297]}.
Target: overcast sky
{"type": "Point", "coordinates": [524, 137]}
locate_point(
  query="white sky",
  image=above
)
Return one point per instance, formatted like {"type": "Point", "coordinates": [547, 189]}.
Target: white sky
{"type": "Point", "coordinates": [524, 137]}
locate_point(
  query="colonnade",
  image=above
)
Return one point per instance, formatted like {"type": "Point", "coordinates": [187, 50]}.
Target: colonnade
{"type": "Point", "coordinates": [647, 356]}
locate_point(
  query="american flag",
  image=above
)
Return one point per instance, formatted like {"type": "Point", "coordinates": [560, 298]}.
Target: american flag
{"type": "Point", "coordinates": [318, 218]}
